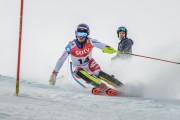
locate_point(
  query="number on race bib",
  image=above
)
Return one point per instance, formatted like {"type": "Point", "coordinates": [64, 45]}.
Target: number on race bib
{"type": "Point", "coordinates": [86, 60]}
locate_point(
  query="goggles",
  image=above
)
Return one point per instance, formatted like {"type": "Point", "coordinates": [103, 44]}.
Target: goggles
{"type": "Point", "coordinates": [122, 29]}
{"type": "Point", "coordinates": [81, 34]}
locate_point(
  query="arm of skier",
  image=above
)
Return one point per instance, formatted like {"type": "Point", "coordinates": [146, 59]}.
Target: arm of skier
{"type": "Point", "coordinates": [105, 48]}
{"type": "Point", "coordinates": [58, 66]}
{"type": "Point", "coordinates": [60, 62]}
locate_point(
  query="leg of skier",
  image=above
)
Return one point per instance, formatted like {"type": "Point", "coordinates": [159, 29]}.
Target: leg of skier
{"type": "Point", "coordinates": [91, 72]}
{"type": "Point", "coordinates": [103, 76]}
{"type": "Point", "coordinates": [88, 74]}
{"type": "Point", "coordinates": [112, 81]}
{"type": "Point", "coordinates": [109, 79]}
{"type": "Point", "coordinates": [95, 69]}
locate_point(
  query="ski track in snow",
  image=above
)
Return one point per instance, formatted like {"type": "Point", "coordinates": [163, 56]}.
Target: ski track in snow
{"type": "Point", "coordinates": [68, 102]}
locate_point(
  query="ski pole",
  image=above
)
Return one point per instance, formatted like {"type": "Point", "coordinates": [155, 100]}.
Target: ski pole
{"type": "Point", "coordinates": [148, 57]}
{"type": "Point", "coordinates": [74, 76]}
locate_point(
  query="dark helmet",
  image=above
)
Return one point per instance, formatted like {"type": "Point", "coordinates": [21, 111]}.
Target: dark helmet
{"type": "Point", "coordinates": [83, 28]}
{"type": "Point", "coordinates": [122, 29]}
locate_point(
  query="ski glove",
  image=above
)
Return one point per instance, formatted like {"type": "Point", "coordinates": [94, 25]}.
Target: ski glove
{"type": "Point", "coordinates": [52, 80]}
{"type": "Point", "coordinates": [109, 50]}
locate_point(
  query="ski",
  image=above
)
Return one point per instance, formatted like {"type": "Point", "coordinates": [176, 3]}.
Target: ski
{"type": "Point", "coordinates": [96, 82]}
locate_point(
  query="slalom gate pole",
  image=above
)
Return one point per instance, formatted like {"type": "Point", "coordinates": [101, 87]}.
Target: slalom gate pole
{"type": "Point", "coordinates": [19, 47]}
{"type": "Point", "coordinates": [148, 57]}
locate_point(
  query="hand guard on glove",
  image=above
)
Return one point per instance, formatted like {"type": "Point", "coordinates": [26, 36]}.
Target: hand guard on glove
{"type": "Point", "coordinates": [109, 50]}
{"type": "Point", "coordinates": [52, 80]}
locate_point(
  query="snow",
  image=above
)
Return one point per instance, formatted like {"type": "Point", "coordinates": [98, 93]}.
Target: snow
{"type": "Point", "coordinates": [47, 28]}
{"type": "Point", "coordinates": [42, 102]}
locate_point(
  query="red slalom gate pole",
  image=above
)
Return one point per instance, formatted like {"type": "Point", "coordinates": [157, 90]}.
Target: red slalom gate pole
{"type": "Point", "coordinates": [154, 58]}
{"type": "Point", "coordinates": [148, 57]}
{"type": "Point", "coordinates": [19, 48]}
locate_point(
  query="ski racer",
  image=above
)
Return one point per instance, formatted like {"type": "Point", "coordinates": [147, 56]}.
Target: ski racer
{"type": "Point", "coordinates": [80, 50]}
{"type": "Point", "coordinates": [125, 44]}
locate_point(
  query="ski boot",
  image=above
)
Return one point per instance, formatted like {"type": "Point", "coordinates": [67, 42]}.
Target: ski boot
{"type": "Point", "coordinates": [111, 92]}
{"type": "Point", "coordinates": [100, 90]}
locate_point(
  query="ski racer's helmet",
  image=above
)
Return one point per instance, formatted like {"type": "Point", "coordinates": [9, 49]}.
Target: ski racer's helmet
{"type": "Point", "coordinates": [122, 29]}
{"type": "Point", "coordinates": [82, 28]}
